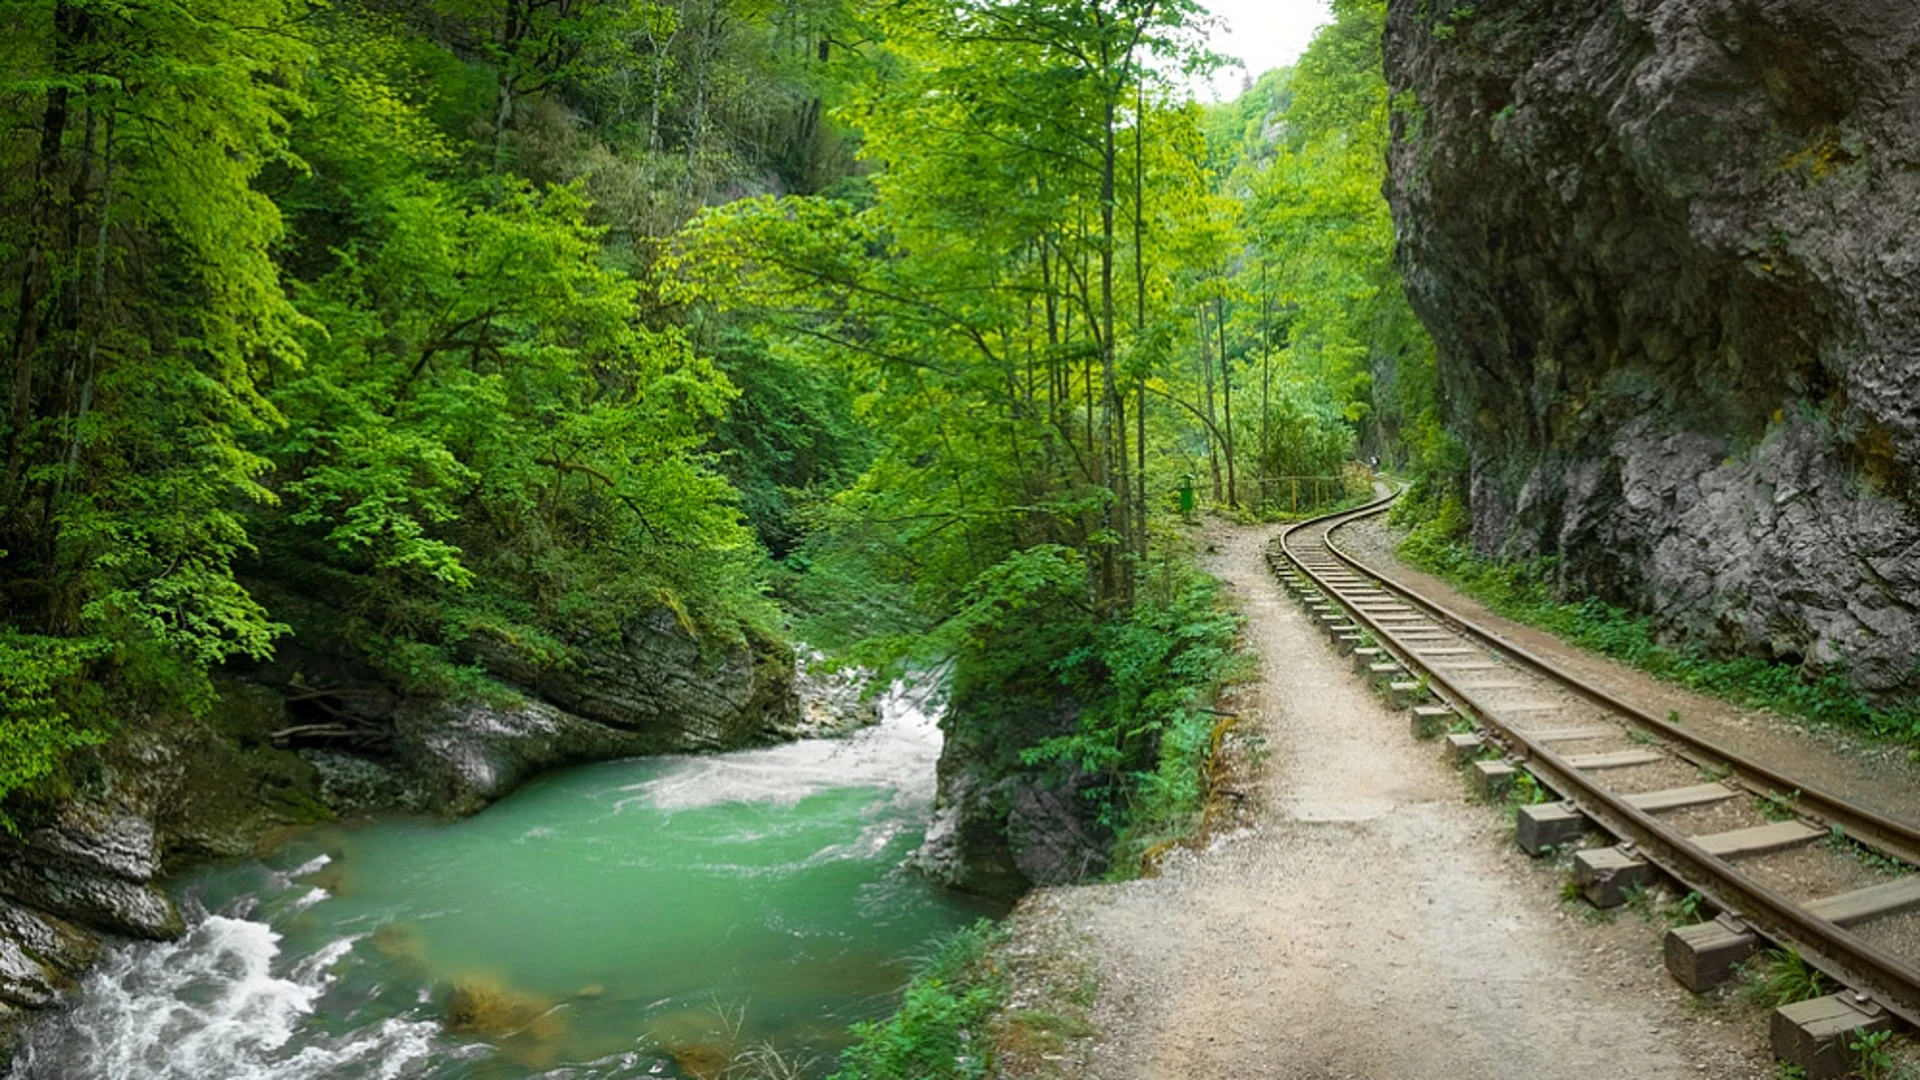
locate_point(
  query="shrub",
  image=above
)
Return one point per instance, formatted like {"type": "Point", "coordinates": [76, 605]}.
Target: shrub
{"type": "Point", "coordinates": [939, 1032]}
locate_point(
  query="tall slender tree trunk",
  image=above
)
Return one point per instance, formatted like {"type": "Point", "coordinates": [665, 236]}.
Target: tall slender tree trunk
{"type": "Point", "coordinates": [45, 230]}
{"type": "Point", "coordinates": [99, 295]}
{"type": "Point", "coordinates": [662, 57]}
{"type": "Point", "coordinates": [512, 31]}
{"type": "Point", "coordinates": [1266, 372]}
{"type": "Point", "coordinates": [1113, 418]}
{"type": "Point", "coordinates": [1213, 425]}
{"type": "Point", "coordinates": [1143, 372]}
{"type": "Point", "coordinates": [1226, 397]}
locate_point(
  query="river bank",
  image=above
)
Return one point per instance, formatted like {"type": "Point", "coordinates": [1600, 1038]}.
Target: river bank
{"type": "Point", "coordinates": [172, 791]}
{"type": "Point", "coordinates": [637, 918]}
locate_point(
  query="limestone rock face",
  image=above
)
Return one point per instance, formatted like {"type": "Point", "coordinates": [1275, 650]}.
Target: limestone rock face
{"type": "Point", "coordinates": [656, 684]}
{"type": "Point", "coordinates": [652, 691]}
{"type": "Point", "coordinates": [1670, 253]}
{"type": "Point", "coordinates": [999, 838]}
{"type": "Point", "coordinates": [39, 956]}
{"type": "Point", "coordinates": [997, 832]}
{"type": "Point", "coordinates": [469, 753]}
{"type": "Point", "coordinates": [115, 905]}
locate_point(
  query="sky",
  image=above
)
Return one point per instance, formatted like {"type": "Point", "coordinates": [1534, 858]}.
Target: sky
{"type": "Point", "coordinates": [1261, 34]}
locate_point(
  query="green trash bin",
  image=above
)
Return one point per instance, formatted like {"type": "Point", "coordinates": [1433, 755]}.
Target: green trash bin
{"type": "Point", "coordinates": [1186, 496]}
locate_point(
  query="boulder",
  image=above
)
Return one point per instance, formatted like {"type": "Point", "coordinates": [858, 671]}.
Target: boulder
{"type": "Point", "coordinates": [40, 956]}
{"type": "Point", "coordinates": [102, 901]}
{"type": "Point", "coordinates": [999, 835]}
{"type": "Point", "coordinates": [832, 701]}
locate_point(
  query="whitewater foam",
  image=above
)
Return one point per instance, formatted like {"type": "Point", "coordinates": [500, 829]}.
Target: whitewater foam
{"type": "Point", "coordinates": [899, 753]}
{"type": "Point", "coordinates": [210, 1005]}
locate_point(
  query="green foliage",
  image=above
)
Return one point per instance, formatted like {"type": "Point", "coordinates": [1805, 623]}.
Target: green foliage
{"type": "Point", "coordinates": [1775, 806]}
{"type": "Point", "coordinates": [1333, 327]}
{"type": "Point", "coordinates": [485, 439]}
{"type": "Point", "coordinates": [1782, 977]}
{"type": "Point", "coordinates": [1149, 729]}
{"type": "Point", "coordinates": [1524, 790]}
{"type": "Point", "coordinates": [1137, 689]}
{"type": "Point", "coordinates": [789, 440]}
{"type": "Point", "coordinates": [348, 298]}
{"type": "Point", "coordinates": [1686, 911]}
{"type": "Point", "coordinates": [41, 687]}
{"type": "Point", "coordinates": [1524, 591]}
{"type": "Point", "coordinates": [147, 304]}
{"type": "Point", "coordinates": [1010, 295]}
{"type": "Point", "coordinates": [940, 1029]}
{"type": "Point", "coordinates": [1873, 1055]}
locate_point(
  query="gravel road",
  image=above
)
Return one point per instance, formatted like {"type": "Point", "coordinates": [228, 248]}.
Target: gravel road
{"type": "Point", "coordinates": [1367, 922]}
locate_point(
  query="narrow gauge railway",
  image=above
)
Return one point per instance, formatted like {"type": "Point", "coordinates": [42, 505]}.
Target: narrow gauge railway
{"type": "Point", "coordinates": [1777, 858]}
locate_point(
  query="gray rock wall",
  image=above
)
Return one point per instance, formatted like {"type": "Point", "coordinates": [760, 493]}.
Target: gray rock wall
{"type": "Point", "coordinates": [1000, 827]}
{"type": "Point", "coordinates": [1669, 251]}
{"type": "Point", "coordinates": [656, 683]}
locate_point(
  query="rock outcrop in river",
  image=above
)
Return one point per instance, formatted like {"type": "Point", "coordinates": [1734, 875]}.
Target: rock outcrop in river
{"type": "Point", "coordinates": [999, 830]}
{"type": "Point", "coordinates": [1670, 254]}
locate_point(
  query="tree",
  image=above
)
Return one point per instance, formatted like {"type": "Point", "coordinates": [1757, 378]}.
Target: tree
{"type": "Point", "coordinates": [146, 303]}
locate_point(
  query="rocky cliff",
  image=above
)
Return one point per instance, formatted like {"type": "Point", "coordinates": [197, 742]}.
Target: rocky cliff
{"type": "Point", "coordinates": [1000, 827]}
{"type": "Point", "coordinates": [1669, 251]}
{"type": "Point", "coordinates": [314, 735]}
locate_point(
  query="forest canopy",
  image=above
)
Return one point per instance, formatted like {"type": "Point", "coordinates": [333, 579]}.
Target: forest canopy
{"type": "Point", "coordinates": [503, 322]}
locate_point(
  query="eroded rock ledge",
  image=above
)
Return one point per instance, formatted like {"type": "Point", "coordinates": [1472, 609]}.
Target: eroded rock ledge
{"type": "Point", "coordinates": [1670, 254]}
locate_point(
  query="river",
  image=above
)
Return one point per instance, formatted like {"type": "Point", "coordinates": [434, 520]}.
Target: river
{"type": "Point", "coordinates": [644, 918]}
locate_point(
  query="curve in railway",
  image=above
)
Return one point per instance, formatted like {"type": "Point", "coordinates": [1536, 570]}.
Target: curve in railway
{"type": "Point", "coordinates": [1634, 775]}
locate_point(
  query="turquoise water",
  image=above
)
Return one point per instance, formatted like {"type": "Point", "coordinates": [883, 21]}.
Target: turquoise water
{"type": "Point", "coordinates": [644, 918]}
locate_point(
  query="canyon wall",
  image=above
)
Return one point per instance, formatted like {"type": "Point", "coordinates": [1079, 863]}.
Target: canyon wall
{"type": "Point", "coordinates": [1669, 251]}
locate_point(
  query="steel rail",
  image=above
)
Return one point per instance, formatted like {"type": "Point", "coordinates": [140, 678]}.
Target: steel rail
{"type": "Point", "coordinates": [1859, 822]}
{"type": "Point", "coordinates": [1829, 947]}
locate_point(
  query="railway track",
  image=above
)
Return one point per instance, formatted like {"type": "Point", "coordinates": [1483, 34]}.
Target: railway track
{"type": "Point", "coordinates": [1747, 838]}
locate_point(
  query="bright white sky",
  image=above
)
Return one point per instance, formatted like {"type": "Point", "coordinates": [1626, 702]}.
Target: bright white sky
{"type": "Point", "coordinates": [1260, 34]}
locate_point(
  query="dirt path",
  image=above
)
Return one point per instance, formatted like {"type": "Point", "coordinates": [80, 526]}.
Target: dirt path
{"type": "Point", "coordinates": [1370, 924]}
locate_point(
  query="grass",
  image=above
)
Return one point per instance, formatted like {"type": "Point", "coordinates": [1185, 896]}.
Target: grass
{"type": "Point", "coordinates": [1038, 1031]}
{"type": "Point", "coordinates": [1838, 841]}
{"type": "Point", "coordinates": [1781, 977]}
{"type": "Point", "coordinates": [1571, 899]}
{"type": "Point", "coordinates": [1523, 790]}
{"type": "Point", "coordinates": [1524, 592]}
{"type": "Point", "coordinates": [940, 1029]}
{"type": "Point", "coordinates": [1777, 807]}
{"type": "Point", "coordinates": [1713, 774]}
